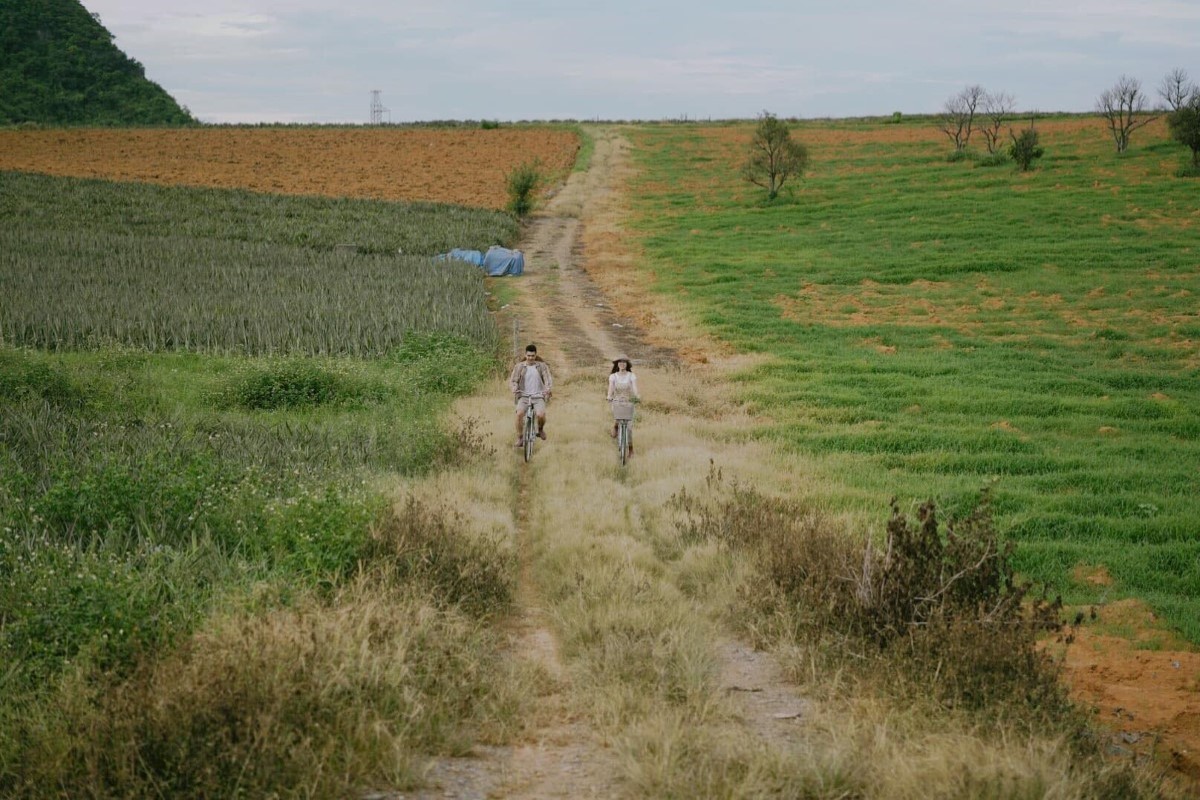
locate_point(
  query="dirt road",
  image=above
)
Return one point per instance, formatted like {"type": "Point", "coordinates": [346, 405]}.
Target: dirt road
{"type": "Point", "coordinates": [572, 506]}
{"type": "Point", "coordinates": [600, 575]}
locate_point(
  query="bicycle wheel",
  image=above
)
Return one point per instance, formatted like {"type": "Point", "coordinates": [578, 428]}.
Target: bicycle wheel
{"type": "Point", "coordinates": [530, 433]}
{"type": "Point", "coordinates": [623, 441]}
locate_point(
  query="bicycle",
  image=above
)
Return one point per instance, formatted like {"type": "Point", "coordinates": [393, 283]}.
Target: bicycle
{"type": "Point", "coordinates": [624, 439]}
{"type": "Point", "coordinates": [529, 432]}
{"type": "Point", "coordinates": [623, 417]}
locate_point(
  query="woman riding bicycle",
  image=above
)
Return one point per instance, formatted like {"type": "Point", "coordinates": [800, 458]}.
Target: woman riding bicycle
{"type": "Point", "coordinates": [622, 392]}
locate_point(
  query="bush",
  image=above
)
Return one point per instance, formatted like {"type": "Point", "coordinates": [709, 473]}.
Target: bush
{"type": "Point", "coordinates": [919, 598]}
{"type": "Point", "coordinates": [285, 384]}
{"type": "Point", "coordinates": [521, 184]}
{"type": "Point", "coordinates": [1025, 149]}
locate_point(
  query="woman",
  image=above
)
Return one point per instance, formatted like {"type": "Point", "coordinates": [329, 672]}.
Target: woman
{"type": "Point", "coordinates": [622, 392]}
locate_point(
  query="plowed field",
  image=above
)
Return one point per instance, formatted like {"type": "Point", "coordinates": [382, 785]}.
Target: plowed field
{"type": "Point", "coordinates": [449, 165]}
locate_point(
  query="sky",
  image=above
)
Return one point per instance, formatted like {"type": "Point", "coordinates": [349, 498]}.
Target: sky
{"type": "Point", "coordinates": [315, 61]}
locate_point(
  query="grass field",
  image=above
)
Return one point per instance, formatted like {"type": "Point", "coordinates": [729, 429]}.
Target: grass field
{"type": "Point", "coordinates": [204, 406]}
{"type": "Point", "coordinates": [935, 326]}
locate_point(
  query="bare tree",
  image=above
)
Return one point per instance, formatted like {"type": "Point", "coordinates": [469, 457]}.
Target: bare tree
{"type": "Point", "coordinates": [958, 115]}
{"type": "Point", "coordinates": [997, 108]}
{"type": "Point", "coordinates": [1176, 89]}
{"type": "Point", "coordinates": [1124, 108]}
{"type": "Point", "coordinates": [774, 155]}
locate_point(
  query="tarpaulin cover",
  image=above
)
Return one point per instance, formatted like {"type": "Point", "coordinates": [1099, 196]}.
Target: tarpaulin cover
{"type": "Point", "coordinates": [470, 256]}
{"type": "Point", "coordinates": [502, 261]}
{"type": "Point", "coordinates": [497, 261]}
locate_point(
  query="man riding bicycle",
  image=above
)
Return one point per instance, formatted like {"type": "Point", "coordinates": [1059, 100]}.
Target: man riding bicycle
{"type": "Point", "coordinates": [531, 382]}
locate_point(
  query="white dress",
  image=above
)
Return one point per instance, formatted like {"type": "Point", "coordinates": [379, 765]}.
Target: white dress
{"type": "Point", "coordinates": [622, 389]}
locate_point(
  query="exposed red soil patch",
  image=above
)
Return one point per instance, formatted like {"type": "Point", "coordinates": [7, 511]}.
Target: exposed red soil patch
{"type": "Point", "coordinates": [1143, 682]}
{"type": "Point", "coordinates": [461, 166]}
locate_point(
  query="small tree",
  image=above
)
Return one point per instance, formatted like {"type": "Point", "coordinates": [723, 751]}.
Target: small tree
{"type": "Point", "coordinates": [958, 116]}
{"type": "Point", "coordinates": [997, 108]}
{"type": "Point", "coordinates": [1124, 108]}
{"type": "Point", "coordinates": [1025, 148]}
{"type": "Point", "coordinates": [1184, 124]}
{"type": "Point", "coordinates": [774, 156]}
{"type": "Point", "coordinates": [521, 184]}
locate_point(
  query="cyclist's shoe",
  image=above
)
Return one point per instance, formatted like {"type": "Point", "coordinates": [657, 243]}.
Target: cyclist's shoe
{"type": "Point", "coordinates": [631, 448]}
{"type": "Point", "coordinates": [542, 435]}
{"type": "Point", "coordinates": [520, 443]}
{"type": "Point", "coordinates": [613, 431]}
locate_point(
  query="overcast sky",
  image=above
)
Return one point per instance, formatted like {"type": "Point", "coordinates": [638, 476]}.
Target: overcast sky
{"type": "Point", "coordinates": [318, 61]}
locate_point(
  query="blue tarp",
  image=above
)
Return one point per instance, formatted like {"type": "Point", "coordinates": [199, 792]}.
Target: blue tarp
{"type": "Point", "coordinates": [497, 260]}
{"type": "Point", "coordinates": [502, 261]}
{"type": "Point", "coordinates": [470, 256]}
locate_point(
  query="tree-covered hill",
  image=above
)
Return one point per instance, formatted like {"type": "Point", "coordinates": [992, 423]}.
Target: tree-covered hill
{"type": "Point", "coordinates": [59, 66]}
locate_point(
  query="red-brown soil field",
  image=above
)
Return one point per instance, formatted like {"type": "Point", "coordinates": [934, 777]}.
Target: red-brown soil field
{"type": "Point", "coordinates": [464, 166]}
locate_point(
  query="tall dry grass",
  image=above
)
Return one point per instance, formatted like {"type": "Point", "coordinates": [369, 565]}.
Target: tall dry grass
{"type": "Point", "coordinates": [638, 603]}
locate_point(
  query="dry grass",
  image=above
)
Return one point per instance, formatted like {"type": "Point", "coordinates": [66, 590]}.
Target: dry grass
{"type": "Point", "coordinates": [326, 698]}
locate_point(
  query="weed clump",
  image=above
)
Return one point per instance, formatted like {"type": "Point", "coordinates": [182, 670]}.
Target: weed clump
{"type": "Point", "coordinates": [943, 606]}
{"type": "Point", "coordinates": [431, 546]}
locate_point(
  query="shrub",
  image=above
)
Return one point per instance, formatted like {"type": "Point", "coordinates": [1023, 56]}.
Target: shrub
{"type": "Point", "coordinates": [920, 598]}
{"type": "Point", "coordinates": [285, 384]}
{"type": "Point", "coordinates": [521, 183]}
{"type": "Point", "coordinates": [1025, 148]}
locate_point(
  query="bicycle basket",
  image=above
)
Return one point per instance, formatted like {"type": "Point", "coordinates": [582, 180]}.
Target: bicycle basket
{"type": "Point", "coordinates": [622, 409]}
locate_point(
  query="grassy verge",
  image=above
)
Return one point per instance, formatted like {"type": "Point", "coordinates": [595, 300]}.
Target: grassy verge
{"type": "Point", "coordinates": [934, 328]}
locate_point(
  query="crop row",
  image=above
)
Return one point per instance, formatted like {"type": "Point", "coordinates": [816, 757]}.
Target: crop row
{"type": "Point", "coordinates": [319, 223]}
{"type": "Point", "coordinates": [88, 264]}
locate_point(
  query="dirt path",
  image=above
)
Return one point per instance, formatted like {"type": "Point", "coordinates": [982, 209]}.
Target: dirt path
{"type": "Point", "coordinates": [581, 305]}
{"type": "Point", "coordinates": [572, 486]}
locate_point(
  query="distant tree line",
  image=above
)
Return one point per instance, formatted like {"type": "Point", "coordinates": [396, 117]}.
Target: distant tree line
{"type": "Point", "coordinates": [1124, 107]}
{"type": "Point", "coordinates": [60, 66]}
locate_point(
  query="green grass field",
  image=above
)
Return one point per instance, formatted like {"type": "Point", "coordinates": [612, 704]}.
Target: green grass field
{"type": "Point", "coordinates": [937, 326]}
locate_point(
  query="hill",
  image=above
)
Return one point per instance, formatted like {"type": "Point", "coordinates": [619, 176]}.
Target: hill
{"type": "Point", "coordinates": [59, 66]}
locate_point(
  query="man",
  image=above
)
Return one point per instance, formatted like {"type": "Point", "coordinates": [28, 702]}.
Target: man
{"type": "Point", "coordinates": [530, 382]}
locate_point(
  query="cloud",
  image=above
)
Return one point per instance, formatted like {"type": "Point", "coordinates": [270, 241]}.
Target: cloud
{"type": "Point", "coordinates": [316, 60]}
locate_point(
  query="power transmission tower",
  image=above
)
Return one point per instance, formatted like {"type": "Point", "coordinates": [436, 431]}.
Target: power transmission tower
{"type": "Point", "coordinates": [377, 109]}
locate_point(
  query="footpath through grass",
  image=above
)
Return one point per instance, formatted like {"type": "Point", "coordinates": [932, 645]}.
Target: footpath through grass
{"type": "Point", "coordinates": [938, 326]}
